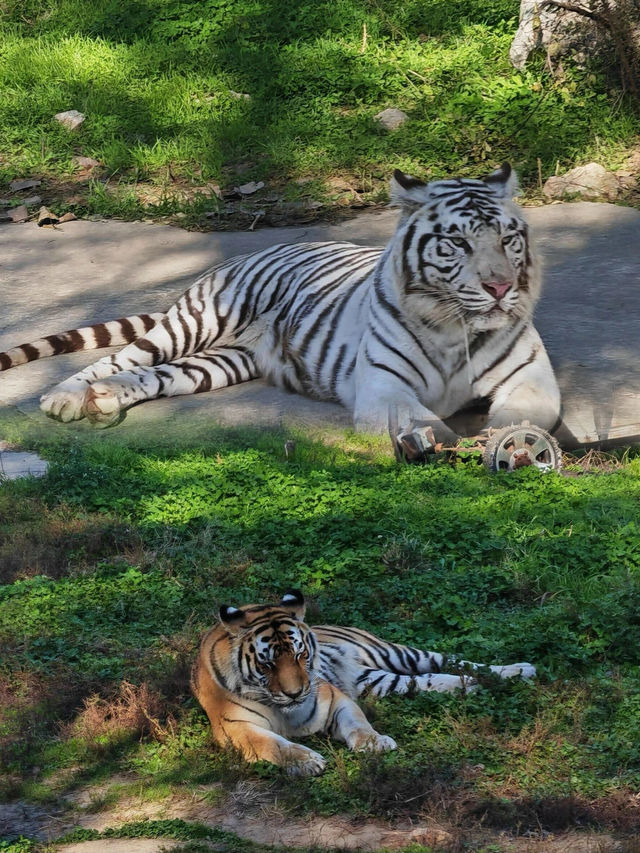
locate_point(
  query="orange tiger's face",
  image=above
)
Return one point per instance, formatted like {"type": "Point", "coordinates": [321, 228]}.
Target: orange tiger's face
{"type": "Point", "coordinates": [273, 650]}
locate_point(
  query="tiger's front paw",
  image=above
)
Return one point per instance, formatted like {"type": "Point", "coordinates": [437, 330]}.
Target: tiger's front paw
{"type": "Point", "coordinates": [372, 742]}
{"type": "Point", "coordinates": [101, 405]}
{"type": "Point", "coordinates": [305, 762]}
{"type": "Point", "coordinates": [64, 404]}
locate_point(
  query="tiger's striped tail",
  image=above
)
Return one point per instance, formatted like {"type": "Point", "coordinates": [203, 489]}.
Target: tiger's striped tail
{"type": "Point", "coordinates": [113, 333]}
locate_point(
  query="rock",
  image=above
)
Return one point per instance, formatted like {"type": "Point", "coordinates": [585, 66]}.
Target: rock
{"type": "Point", "coordinates": [15, 214]}
{"type": "Point", "coordinates": [33, 199]}
{"type": "Point", "coordinates": [16, 186]}
{"type": "Point", "coordinates": [240, 96]}
{"type": "Point", "coordinates": [391, 119]}
{"type": "Point", "coordinates": [626, 179]}
{"type": "Point", "coordinates": [85, 162]}
{"type": "Point", "coordinates": [45, 217]}
{"type": "Point", "coordinates": [589, 182]}
{"type": "Point", "coordinates": [558, 31]}
{"type": "Point", "coordinates": [71, 119]}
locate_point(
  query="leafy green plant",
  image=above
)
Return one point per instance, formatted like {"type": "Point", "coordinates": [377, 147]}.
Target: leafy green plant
{"type": "Point", "coordinates": [159, 83]}
{"type": "Point", "coordinates": [495, 568]}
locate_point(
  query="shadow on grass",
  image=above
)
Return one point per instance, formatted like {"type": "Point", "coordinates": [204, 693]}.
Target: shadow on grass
{"type": "Point", "coordinates": [510, 567]}
{"type": "Point", "coordinates": [313, 90]}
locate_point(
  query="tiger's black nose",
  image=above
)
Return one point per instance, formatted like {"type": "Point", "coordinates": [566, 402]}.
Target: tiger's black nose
{"type": "Point", "coordinates": [293, 694]}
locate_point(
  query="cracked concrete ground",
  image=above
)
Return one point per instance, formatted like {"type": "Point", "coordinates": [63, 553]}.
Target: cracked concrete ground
{"type": "Point", "coordinates": [85, 272]}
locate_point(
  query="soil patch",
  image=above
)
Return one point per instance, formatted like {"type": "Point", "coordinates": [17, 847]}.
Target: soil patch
{"type": "Point", "coordinates": [251, 812]}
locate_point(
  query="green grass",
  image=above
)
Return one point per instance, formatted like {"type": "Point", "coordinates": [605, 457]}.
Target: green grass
{"type": "Point", "coordinates": [497, 568]}
{"type": "Point", "coordinates": [156, 78]}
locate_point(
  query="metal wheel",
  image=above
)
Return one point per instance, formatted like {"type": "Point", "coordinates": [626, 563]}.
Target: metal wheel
{"type": "Point", "coordinates": [521, 445]}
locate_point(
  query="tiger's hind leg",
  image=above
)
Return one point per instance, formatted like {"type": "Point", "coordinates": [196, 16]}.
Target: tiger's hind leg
{"type": "Point", "coordinates": [106, 400]}
{"type": "Point", "coordinates": [379, 682]}
{"type": "Point", "coordinates": [424, 674]}
{"type": "Point", "coordinates": [367, 664]}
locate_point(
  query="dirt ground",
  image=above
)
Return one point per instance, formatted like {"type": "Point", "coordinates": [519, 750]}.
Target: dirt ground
{"type": "Point", "coordinates": [252, 813]}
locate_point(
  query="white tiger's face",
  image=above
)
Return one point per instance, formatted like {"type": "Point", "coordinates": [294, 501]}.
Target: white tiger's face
{"type": "Point", "coordinates": [464, 254]}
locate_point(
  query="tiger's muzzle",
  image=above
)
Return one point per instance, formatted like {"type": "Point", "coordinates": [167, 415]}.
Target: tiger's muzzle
{"type": "Point", "coordinates": [289, 682]}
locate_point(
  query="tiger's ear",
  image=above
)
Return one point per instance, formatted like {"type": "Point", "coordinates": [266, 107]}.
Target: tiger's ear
{"type": "Point", "coordinates": [503, 182]}
{"type": "Point", "coordinates": [233, 619]}
{"type": "Point", "coordinates": [293, 601]}
{"type": "Point", "coordinates": [407, 192]}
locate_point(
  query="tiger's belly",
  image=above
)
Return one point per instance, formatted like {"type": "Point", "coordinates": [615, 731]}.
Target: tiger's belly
{"type": "Point", "coordinates": [301, 359]}
{"type": "Point", "coordinates": [319, 365]}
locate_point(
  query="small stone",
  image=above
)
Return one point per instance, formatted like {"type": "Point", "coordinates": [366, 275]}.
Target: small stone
{"type": "Point", "coordinates": [590, 182]}
{"type": "Point", "coordinates": [33, 199]}
{"type": "Point", "coordinates": [18, 185]}
{"type": "Point", "coordinates": [391, 119]}
{"type": "Point", "coordinates": [240, 96]}
{"type": "Point", "coordinates": [67, 217]}
{"type": "Point", "coordinates": [71, 119]}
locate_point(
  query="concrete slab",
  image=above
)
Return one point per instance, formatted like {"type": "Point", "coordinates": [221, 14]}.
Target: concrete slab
{"type": "Point", "coordinates": [85, 272]}
{"type": "Point", "coordinates": [16, 463]}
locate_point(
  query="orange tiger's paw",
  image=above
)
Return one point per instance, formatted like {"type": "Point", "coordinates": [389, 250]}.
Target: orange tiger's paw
{"type": "Point", "coordinates": [305, 762]}
{"type": "Point", "coordinates": [101, 406]}
{"type": "Point", "coordinates": [372, 742]}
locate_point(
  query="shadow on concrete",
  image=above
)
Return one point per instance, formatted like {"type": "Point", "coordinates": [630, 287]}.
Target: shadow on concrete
{"type": "Point", "coordinates": [589, 314]}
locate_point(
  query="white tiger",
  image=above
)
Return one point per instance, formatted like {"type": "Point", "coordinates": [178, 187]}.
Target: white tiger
{"type": "Point", "coordinates": [439, 318]}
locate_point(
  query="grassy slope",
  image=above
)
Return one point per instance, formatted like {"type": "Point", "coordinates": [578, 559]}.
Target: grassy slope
{"type": "Point", "coordinates": [155, 79]}
{"type": "Point", "coordinates": [502, 568]}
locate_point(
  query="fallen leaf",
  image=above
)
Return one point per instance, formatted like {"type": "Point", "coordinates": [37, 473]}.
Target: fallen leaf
{"type": "Point", "coordinates": [16, 186]}
{"type": "Point", "coordinates": [250, 188]}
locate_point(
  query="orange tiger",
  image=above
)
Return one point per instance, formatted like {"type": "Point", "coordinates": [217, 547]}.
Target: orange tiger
{"type": "Point", "coordinates": [263, 676]}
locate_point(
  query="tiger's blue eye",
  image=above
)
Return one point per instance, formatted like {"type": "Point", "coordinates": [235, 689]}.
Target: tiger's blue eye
{"type": "Point", "coordinates": [510, 239]}
{"type": "Point", "coordinates": [457, 242]}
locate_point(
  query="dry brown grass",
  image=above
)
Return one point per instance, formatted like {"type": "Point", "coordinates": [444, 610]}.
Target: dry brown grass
{"type": "Point", "coordinates": [60, 542]}
{"type": "Point", "coordinates": [31, 704]}
{"type": "Point", "coordinates": [135, 711]}
{"type": "Point", "coordinates": [592, 461]}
